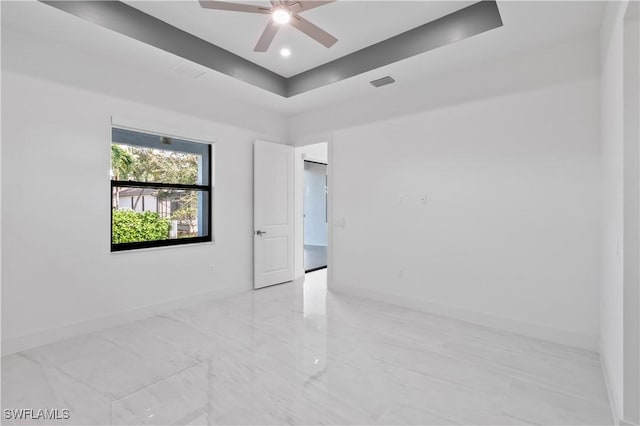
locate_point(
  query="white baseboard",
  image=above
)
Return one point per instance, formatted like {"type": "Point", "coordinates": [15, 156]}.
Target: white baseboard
{"type": "Point", "coordinates": [17, 344]}
{"type": "Point", "coordinates": [537, 331]}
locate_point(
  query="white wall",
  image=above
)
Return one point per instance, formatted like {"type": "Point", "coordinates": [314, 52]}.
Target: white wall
{"type": "Point", "coordinates": [611, 291]}
{"type": "Point", "coordinates": [509, 235]}
{"type": "Point", "coordinates": [59, 277]}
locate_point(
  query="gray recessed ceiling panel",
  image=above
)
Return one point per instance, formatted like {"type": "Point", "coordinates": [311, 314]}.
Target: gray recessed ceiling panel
{"type": "Point", "coordinates": [119, 17]}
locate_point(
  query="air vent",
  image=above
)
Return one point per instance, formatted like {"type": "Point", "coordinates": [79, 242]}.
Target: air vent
{"type": "Point", "coordinates": [189, 69]}
{"type": "Point", "coordinates": [382, 81]}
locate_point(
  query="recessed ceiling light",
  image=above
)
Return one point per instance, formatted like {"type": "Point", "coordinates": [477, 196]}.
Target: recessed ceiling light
{"type": "Point", "coordinates": [281, 15]}
{"type": "Point", "coordinates": [285, 52]}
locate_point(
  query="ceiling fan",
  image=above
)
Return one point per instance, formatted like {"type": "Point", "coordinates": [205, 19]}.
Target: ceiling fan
{"type": "Point", "coordinates": [282, 12]}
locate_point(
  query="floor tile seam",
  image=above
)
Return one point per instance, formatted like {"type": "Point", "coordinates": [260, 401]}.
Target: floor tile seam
{"type": "Point", "coordinates": [546, 358]}
{"type": "Point", "coordinates": [426, 409]}
{"type": "Point", "coordinates": [120, 398]}
{"type": "Point", "coordinates": [139, 357]}
{"type": "Point", "coordinates": [46, 372]}
{"type": "Point", "coordinates": [532, 380]}
{"type": "Point", "coordinates": [208, 333]}
{"type": "Point", "coordinates": [156, 337]}
{"type": "Point", "coordinates": [503, 393]}
{"type": "Point", "coordinates": [515, 372]}
{"type": "Point", "coordinates": [108, 396]}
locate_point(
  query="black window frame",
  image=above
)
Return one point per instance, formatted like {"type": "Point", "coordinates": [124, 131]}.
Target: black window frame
{"type": "Point", "coordinates": [144, 139]}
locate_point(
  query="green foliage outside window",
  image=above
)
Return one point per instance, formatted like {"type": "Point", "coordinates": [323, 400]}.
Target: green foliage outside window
{"type": "Point", "coordinates": [130, 226]}
{"type": "Point", "coordinates": [152, 165]}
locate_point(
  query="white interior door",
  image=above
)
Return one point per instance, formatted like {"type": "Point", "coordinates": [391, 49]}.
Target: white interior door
{"type": "Point", "coordinates": [273, 242]}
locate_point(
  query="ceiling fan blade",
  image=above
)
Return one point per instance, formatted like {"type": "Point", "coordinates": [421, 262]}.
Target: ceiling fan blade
{"type": "Point", "coordinates": [302, 5]}
{"type": "Point", "coordinates": [267, 37]}
{"type": "Point", "coordinates": [235, 7]}
{"type": "Point", "coordinates": [316, 33]}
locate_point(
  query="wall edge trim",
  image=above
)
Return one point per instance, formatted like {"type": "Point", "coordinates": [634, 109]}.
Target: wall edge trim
{"type": "Point", "coordinates": [610, 393]}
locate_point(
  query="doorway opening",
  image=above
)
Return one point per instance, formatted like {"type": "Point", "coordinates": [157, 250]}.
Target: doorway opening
{"type": "Point", "coordinates": [315, 216]}
{"type": "Point", "coordinates": [312, 208]}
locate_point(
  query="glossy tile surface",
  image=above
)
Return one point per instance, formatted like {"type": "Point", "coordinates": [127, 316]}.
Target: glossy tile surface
{"type": "Point", "coordinates": [295, 354]}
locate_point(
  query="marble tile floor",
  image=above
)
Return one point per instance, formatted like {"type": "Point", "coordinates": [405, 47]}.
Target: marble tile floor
{"type": "Point", "coordinates": [295, 354]}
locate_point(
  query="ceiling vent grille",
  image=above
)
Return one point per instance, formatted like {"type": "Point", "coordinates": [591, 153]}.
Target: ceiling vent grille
{"type": "Point", "coordinates": [382, 81]}
{"type": "Point", "coordinates": [189, 69]}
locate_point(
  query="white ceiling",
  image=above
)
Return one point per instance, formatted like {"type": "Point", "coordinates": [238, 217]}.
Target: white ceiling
{"type": "Point", "coordinates": [527, 25]}
{"type": "Point", "coordinates": [356, 24]}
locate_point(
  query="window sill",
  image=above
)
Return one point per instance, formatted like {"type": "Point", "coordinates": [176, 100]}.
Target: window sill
{"type": "Point", "coordinates": [179, 246]}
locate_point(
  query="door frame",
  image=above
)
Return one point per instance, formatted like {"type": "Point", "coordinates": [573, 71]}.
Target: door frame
{"type": "Point", "coordinates": [631, 215]}
{"type": "Point", "coordinates": [326, 165]}
{"type": "Point", "coordinates": [299, 206]}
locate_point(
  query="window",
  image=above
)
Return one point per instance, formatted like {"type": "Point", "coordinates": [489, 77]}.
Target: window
{"type": "Point", "coordinates": [161, 190]}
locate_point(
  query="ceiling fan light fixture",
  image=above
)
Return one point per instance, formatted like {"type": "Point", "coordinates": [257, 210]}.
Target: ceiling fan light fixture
{"type": "Point", "coordinates": [281, 15]}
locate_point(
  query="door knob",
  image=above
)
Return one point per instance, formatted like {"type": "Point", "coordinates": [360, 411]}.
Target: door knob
{"type": "Point", "coordinates": [260, 233]}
